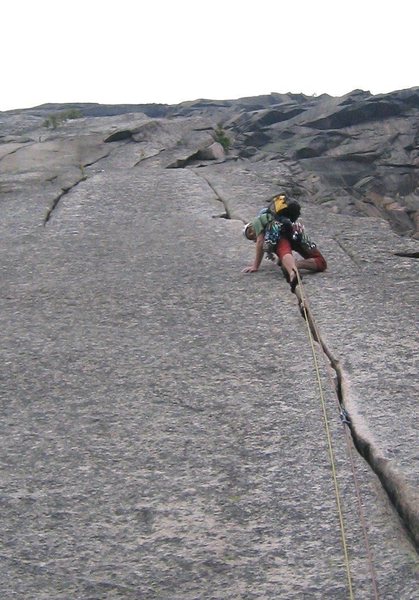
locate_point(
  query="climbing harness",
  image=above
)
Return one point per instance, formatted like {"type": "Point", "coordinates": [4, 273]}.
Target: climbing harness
{"type": "Point", "coordinates": [313, 334]}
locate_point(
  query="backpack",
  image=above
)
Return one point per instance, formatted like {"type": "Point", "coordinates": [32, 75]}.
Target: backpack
{"type": "Point", "coordinates": [277, 204]}
{"type": "Point", "coordinates": [280, 206]}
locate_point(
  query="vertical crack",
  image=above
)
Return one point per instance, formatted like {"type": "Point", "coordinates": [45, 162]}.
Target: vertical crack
{"type": "Point", "coordinates": [64, 192]}
{"type": "Point", "coordinates": [54, 206]}
{"type": "Point", "coordinates": [226, 214]}
{"type": "Point", "coordinates": [402, 497]}
{"type": "Point", "coordinates": [347, 251]}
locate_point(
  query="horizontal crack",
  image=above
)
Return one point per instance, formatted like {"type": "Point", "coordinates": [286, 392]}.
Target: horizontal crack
{"type": "Point", "coordinates": [407, 254]}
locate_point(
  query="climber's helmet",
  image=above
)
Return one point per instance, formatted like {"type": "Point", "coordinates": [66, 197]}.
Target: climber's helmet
{"type": "Point", "coordinates": [249, 232]}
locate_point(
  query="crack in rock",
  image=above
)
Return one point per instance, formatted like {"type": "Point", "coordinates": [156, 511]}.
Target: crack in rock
{"type": "Point", "coordinates": [400, 493]}
{"type": "Point", "coordinates": [407, 254]}
{"type": "Point", "coordinates": [66, 190]}
{"type": "Point", "coordinates": [56, 201]}
{"type": "Point", "coordinates": [226, 214]}
{"type": "Point", "coordinates": [348, 252]}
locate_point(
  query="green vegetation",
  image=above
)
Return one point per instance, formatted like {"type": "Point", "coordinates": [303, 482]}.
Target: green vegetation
{"type": "Point", "coordinates": [222, 138]}
{"type": "Point", "coordinates": [57, 119]}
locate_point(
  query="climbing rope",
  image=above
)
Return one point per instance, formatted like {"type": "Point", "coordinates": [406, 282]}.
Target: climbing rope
{"type": "Point", "coordinates": [308, 317]}
{"type": "Point", "coordinates": [329, 442]}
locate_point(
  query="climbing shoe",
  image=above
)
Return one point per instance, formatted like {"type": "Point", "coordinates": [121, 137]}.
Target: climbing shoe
{"type": "Point", "coordinates": [293, 280]}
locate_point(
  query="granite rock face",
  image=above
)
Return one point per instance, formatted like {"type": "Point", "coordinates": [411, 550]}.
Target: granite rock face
{"type": "Point", "coordinates": [173, 428]}
{"type": "Point", "coordinates": [357, 154]}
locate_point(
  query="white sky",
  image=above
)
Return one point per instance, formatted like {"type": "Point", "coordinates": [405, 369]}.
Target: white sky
{"type": "Point", "coordinates": [143, 51]}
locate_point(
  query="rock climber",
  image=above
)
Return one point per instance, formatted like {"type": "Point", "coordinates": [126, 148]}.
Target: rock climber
{"type": "Point", "coordinates": [282, 233]}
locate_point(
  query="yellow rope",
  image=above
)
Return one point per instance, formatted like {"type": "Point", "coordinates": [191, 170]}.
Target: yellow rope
{"type": "Point", "coordinates": [328, 360]}
{"type": "Point", "coordinates": [329, 442]}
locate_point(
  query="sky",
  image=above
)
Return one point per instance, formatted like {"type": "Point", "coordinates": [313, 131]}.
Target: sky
{"type": "Point", "coordinates": [170, 51]}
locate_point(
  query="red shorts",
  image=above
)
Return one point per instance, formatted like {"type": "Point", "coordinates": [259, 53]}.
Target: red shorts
{"type": "Point", "coordinates": [284, 247]}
